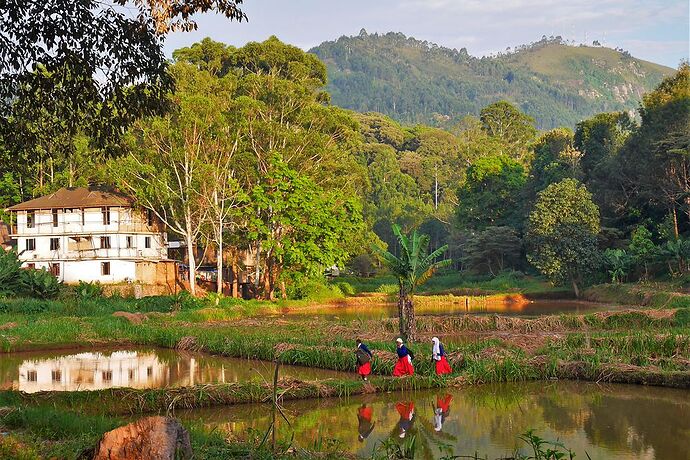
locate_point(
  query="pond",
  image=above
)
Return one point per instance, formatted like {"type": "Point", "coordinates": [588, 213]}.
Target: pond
{"type": "Point", "coordinates": [602, 421]}
{"type": "Point", "coordinates": [136, 368]}
{"type": "Point", "coordinates": [526, 308]}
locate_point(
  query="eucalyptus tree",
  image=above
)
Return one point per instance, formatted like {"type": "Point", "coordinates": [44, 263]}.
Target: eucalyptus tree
{"type": "Point", "coordinates": [412, 267]}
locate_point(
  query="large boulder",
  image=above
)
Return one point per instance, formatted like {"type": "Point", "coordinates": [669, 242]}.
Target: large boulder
{"type": "Point", "coordinates": [151, 438]}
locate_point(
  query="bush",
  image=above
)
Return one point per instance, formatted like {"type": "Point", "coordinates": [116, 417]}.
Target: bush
{"type": "Point", "coordinates": [39, 283]}
{"type": "Point", "coordinates": [87, 291]}
{"type": "Point", "coordinates": [346, 288]}
{"type": "Point", "coordinates": [388, 289]}
{"type": "Point", "coordinates": [10, 269]}
{"type": "Point", "coordinates": [314, 289]}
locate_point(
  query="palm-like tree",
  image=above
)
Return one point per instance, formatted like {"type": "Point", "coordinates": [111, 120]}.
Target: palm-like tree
{"type": "Point", "coordinates": [413, 267]}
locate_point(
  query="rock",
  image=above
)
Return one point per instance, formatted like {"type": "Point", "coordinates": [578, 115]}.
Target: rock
{"type": "Point", "coordinates": [151, 438]}
{"type": "Point", "coordinates": [134, 318]}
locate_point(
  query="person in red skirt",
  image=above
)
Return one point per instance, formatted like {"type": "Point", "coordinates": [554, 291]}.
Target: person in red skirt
{"type": "Point", "coordinates": [363, 356]}
{"type": "Point", "coordinates": [365, 425]}
{"type": "Point", "coordinates": [404, 364]}
{"type": "Point", "coordinates": [438, 354]}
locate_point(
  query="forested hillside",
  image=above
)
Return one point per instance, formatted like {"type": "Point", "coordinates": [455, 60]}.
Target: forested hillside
{"type": "Point", "coordinates": [419, 82]}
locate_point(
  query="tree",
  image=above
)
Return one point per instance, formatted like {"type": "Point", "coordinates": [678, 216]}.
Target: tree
{"type": "Point", "coordinates": [562, 233]}
{"type": "Point", "coordinates": [492, 250]}
{"type": "Point", "coordinates": [554, 160]}
{"type": "Point", "coordinates": [174, 157]}
{"type": "Point", "coordinates": [413, 267]}
{"type": "Point", "coordinates": [301, 228]}
{"type": "Point", "coordinates": [655, 160]}
{"type": "Point", "coordinates": [84, 68]}
{"type": "Point", "coordinates": [642, 248]}
{"type": "Point", "coordinates": [490, 195]}
{"type": "Point", "coordinates": [516, 130]}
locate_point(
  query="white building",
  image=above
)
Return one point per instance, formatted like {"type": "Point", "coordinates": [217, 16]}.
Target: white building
{"type": "Point", "coordinates": [91, 234]}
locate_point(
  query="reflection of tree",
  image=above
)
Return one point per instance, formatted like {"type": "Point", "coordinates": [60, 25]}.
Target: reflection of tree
{"type": "Point", "coordinates": [638, 423]}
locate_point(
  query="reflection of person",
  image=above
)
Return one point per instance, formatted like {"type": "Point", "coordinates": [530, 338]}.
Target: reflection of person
{"type": "Point", "coordinates": [404, 364]}
{"type": "Point", "coordinates": [365, 427]}
{"type": "Point", "coordinates": [363, 356]}
{"type": "Point", "coordinates": [441, 411]}
{"type": "Point", "coordinates": [438, 354]}
{"type": "Point", "coordinates": [406, 411]}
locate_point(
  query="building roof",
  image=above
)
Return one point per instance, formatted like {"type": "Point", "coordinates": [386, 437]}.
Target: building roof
{"type": "Point", "coordinates": [76, 197]}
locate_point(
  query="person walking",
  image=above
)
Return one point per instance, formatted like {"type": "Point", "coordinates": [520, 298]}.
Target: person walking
{"type": "Point", "coordinates": [404, 364]}
{"type": "Point", "coordinates": [363, 355]}
{"type": "Point", "coordinates": [438, 355]}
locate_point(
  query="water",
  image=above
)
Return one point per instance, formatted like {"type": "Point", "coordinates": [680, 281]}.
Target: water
{"type": "Point", "coordinates": [605, 421]}
{"type": "Point", "coordinates": [135, 368]}
{"type": "Point", "coordinates": [443, 308]}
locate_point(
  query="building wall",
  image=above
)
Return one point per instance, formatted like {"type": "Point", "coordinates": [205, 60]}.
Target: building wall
{"type": "Point", "coordinates": [81, 250]}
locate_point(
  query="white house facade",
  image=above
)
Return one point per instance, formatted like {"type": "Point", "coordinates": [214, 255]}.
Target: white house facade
{"type": "Point", "coordinates": [91, 235]}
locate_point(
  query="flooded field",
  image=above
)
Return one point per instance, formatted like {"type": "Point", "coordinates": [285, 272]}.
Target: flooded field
{"type": "Point", "coordinates": [603, 421]}
{"type": "Point", "coordinates": [476, 307]}
{"type": "Point", "coordinates": [135, 368]}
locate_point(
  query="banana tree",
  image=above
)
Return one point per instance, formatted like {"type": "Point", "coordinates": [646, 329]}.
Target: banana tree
{"type": "Point", "coordinates": [413, 267]}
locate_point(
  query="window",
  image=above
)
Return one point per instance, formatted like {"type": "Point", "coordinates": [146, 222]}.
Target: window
{"type": "Point", "coordinates": [105, 242]}
{"type": "Point", "coordinates": [31, 244]}
{"type": "Point", "coordinates": [131, 374]}
{"type": "Point", "coordinates": [31, 266]}
{"type": "Point", "coordinates": [147, 242]}
{"type": "Point", "coordinates": [56, 375]}
{"type": "Point", "coordinates": [105, 268]}
{"type": "Point", "coordinates": [31, 376]}
{"type": "Point", "coordinates": [129, 242]}
{"type": "Point", "coordinates": [55, 269]}
{"type": "Point", "coordinates": [31, 219]}
{"type": "Point", "coordinates": [83, 216]}
{"type": "Point", "coordinates": [106, 216]}
{"type": "Point", "coordinates": [107, 376]}
{"type": "Point", "coordinates": [149, 371]}
{"type": "Point", "coordinates": [54, 244]}
{"type": "Point", "coordinates": [55, 217]}
{"type": "Point", "coordinates": [149, 218]}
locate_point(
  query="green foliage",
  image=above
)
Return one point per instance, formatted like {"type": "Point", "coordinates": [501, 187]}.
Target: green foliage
{"type": "Point", "coordinates": [617, 263]}
{"type": "Point", "coordinates": [492, 250]}
{"type": "Point", "coordinates": [515, 130]}
{"type": "Point", "coordinates": [88, 291]}
{"type": "Point", "coordinates": [490, 195]}
{"type": "Point", "coordinates": [10, 270]}
{"type": "Point", "coordinates": [40, 284]}
{"type": "Point", "coordinates": [419, 82]}
{"type": "Point", "coordinates": [562, 232]}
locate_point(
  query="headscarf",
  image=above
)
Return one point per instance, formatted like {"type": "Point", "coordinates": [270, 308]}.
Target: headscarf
{"type": "Point", "coordinates": [436, 351]}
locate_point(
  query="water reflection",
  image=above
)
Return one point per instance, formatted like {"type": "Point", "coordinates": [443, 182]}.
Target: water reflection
{"type": "Point", "coordinates": [613, 421]}
{"type": "Point", "coordinates": [151, 368]}
{"type": "Point", "coordinates": [525, 308]}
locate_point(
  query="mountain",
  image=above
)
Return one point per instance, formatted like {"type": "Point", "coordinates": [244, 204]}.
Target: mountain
{"type": "Point", "coordinates": [416, 81]}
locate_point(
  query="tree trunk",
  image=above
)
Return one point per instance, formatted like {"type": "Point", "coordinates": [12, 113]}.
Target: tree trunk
{"type": "Point", "coordinates": [219, 261]}
{"type": "Point", "coordinates": [235, 282]}
{"type": "Point", "coordinates": [192, 264]}
{"type": "Point", "coordinates": [411, 320]}
{"type": "Point", "coordinates": [675, 221]}
{"type": "Point", "coordinates": [575, 288]}
{"type": "Point", "coordinates": [401, 311]}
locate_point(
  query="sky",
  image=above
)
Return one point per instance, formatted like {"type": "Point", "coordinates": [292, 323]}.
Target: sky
{"type": "Point", "coordinates": [654, 30]}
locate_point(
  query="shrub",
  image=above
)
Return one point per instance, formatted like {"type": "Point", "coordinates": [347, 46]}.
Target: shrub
{"type": "Point", "coordinates": [86, 291]}
{"type": "Point", "coordinates": [314, 289]}
{"type": "Point", "coordinates": [39, 283]}
{"type": "Point", "coordinates": [387, 289]}
{"type": "Point", "coordinates": [10, 269]}
{"type": "Point", "coordinates": [346, 288]}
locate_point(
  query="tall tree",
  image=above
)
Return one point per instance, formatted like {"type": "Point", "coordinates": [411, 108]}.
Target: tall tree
{"type": "Point", "coordinates": [562, 233]}
{"type": "Point", "coordinates": [516, 130]}
{"type": "Point", "coordinates": [413, 267]}
{"type": "Point", "coordinates": [490, 195]}
{"type": "Point", "coordinates": [176, 158]}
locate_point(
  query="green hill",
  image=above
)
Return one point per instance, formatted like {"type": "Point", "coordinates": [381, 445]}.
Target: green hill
{"type": "Point", "coordinates": [417, 81]}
